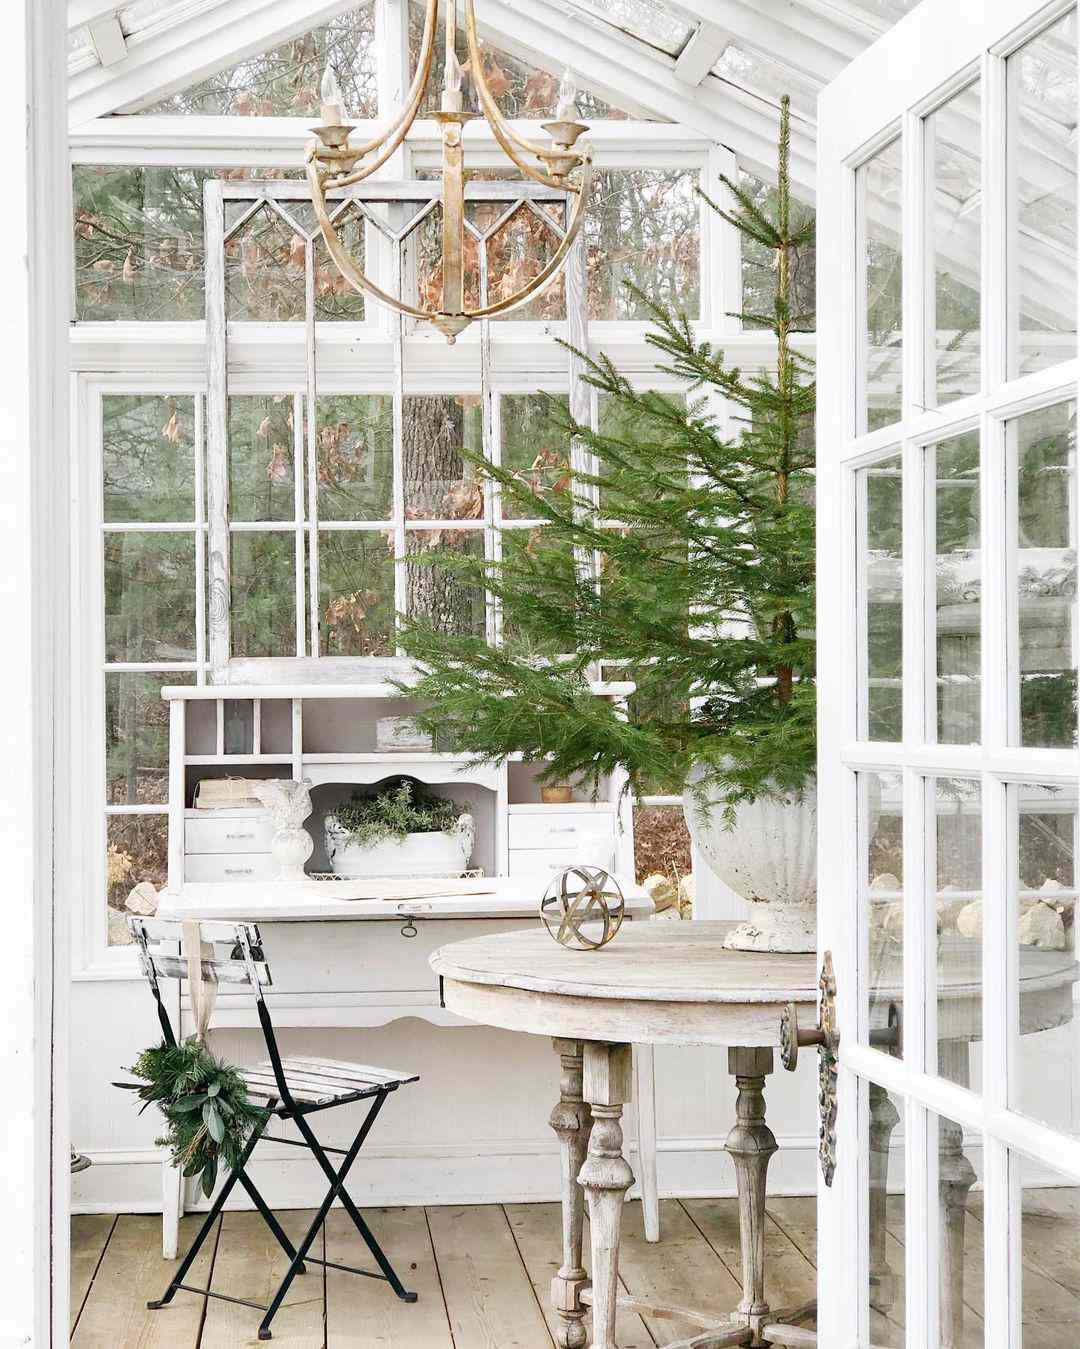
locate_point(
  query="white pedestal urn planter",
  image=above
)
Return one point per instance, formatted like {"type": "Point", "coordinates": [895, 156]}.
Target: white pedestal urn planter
{"type": "Point", "coordinates": [768, 855]}
{"type": "Point", "coordinates": [443, 852]}
{"type": "Point", "coordinates": [289, 804]}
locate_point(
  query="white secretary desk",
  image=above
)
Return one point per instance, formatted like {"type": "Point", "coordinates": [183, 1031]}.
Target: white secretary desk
{"type": "Point", "coordinates": [374, 968]}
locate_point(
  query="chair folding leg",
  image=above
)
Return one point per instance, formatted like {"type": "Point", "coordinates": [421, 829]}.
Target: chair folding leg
{"type": "Point", "coordinates": [350, 1208]}
{"type": "Point", "coordinates": [337, 1183]}
{"type": "Point", "coordinates": [211, 1218]}
{"type": "Point", "coordinates": [268, 1216]}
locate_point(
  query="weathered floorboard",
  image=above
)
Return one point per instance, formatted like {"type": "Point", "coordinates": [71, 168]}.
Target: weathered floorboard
{"type": "Point", "coordinates": [363, 1312]}
{"type": "Point", "coordinates": [489, 1296]}
{"type": "Point", "coordinates": [132, 1273]}
{"type": "Point", "coordinates": [90, 1233]}
{"type": "Point", "coordinates": [250, 1264]}
{"type": "Point", "coordinates": [538, 1232]}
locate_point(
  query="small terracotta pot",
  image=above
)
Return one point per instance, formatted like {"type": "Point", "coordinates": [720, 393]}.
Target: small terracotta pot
{"type": "Point", "coordinates": [560, 794]}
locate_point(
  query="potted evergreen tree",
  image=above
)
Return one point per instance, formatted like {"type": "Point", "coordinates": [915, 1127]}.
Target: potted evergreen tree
{"type": "Point", "coordinates": [679, 555]}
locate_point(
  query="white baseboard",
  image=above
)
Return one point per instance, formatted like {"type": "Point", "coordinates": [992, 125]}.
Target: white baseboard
{"type": "Point", "coordinates": [523, 1171]}
{"type": "Point", "coordinates": [507, 1172]}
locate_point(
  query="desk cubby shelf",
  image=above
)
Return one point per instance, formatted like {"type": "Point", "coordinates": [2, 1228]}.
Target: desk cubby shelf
{"type": "Point", "coordinates": [327, 733]}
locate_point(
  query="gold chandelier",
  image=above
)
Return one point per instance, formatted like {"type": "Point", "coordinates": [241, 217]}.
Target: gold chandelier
{"type": "Point", "coordinates": [333, 164]}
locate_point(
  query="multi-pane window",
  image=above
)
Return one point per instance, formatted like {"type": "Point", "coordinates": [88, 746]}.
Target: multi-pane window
{"type": "Point", "coordinates": [150, 562]}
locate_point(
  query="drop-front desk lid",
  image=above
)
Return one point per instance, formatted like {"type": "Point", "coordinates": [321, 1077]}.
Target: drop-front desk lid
{"type": "Point", "coordinates": [295, 901]}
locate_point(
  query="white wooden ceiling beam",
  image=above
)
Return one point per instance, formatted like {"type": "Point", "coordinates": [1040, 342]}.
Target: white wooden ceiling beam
{"type": "Point", "coordinates": [107, 39]}
{"type": "Point", "coordinates": [787, 32]}
{"type": "Point", "coordinates": [180, 54]}
{"type": "Point", "coordinates": [855, 18]}
{"type": "Point", "coordinates": [701, 53]}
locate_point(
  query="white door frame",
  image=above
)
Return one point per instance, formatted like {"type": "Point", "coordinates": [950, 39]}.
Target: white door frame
{"type": "Point", "coordinates": [35, 252]}
{"type": "Point", "coordinates": [928, 56]}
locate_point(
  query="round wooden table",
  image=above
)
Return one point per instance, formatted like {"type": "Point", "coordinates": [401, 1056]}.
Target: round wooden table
{"type": "Point", "coordinates": [675, 983]}
{"type": "Point", "coordinates": [656, 983]}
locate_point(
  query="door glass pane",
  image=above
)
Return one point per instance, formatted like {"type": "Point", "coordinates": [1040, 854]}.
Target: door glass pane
{"type": "Point", "coordinates": [1042, 446]}
{"type": "Point", "coordinates": [1049, 1270]}
{"type": "Point", "coordinates": [149, 597]}
{"type": "Point", "coordinates": [953, 241]}
{"type": "Point", "coordinates": [885, 1229]}
{"type": "Point", "coordinates": [137, 737]}
{"type": "Point", "coordinates": [954, 465]}
{"type": "Point", "coordinates": [958, 830]}
{"type": "Point", "coordinates": [437, 591]}
{"type": "Point", "coordinates": [137, 850]}
{"type": "Point", "coordinates": [1042, 171]}
{"type": "Point", "coordinates": [356, 592]}
{"type": "Point", "coordinates": [440, 482]}
{"type": "Point", "coordinates": [148, 457]}
{"type": "Point", "coordinates": [535, 445]}
{"type": "Point", "coordinates": [879, 182]}
{"type": "Point", "coordinates": [263, 594]}
{"type": "Point", "coordinates": [262, 474]}
{"type": "Point", "coordinates": [960, 1237]}
{"type": "Point", "coordinates": [355, 448]}
{"type": "Point", "coordinates": [880, 497]}
{"type": "Point", "coordinates": [1044, 1072]}
{"type": "Point", "coordinates": [882, 808]}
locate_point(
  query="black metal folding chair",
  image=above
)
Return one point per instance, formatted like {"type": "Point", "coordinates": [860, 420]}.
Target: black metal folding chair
{"type": "Point", "coordinates": [291, 1089]}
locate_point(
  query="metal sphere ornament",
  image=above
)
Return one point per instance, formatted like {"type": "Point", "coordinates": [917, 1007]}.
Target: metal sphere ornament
{"type": "Point", "coordinates": [581, 896]}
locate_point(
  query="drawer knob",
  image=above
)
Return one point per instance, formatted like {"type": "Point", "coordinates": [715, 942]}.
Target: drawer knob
{"type": "Point", "coordinates": [239, 835]}
{"type": "Point", "coordinates": [238, 871]}
{"type": "Point", "coordinates": [563, 829]}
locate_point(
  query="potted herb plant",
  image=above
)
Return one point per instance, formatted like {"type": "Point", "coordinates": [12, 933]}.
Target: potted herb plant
{"type": "Point", "coordinates": [399, 830]}
{"type": "Point", "coordinates": [677, 552]}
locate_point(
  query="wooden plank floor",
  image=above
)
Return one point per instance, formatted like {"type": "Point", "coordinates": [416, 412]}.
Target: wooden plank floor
{"type": "Point", "coordinates": [483, 1275]}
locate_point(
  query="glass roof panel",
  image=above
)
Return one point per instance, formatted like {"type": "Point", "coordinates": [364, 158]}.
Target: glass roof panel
{"type": "Point", "coordinates": [649, 20]}
{"type": "Point", "coordinates": [888, 11]}
{"type": "Point", "coordinates": [284, 82]}
{"type": "Point", "coordinates": [758, 75]}
{"type": "Point", "coordinates": [520, 89]}
{"type": "Point", "coordinates": [143, 13]}
{"type": "Point", "coordinates": [79, 44]}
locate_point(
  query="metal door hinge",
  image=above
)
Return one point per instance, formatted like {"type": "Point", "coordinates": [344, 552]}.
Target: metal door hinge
{"type": "Point", "coordinates": [826, 1037]}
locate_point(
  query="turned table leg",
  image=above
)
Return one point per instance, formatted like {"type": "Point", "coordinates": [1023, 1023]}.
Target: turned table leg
{"type": "Point", "coordinates": [884, 1118]}
{"type": "Point", "coordinates": [572, 1122]}
{"type": "Point", "coordinates": [751, 1145]}
{"type": "Point", "coordinates": [956, 1176]}
{"type": "Point", "coordinates": [606, 1176]}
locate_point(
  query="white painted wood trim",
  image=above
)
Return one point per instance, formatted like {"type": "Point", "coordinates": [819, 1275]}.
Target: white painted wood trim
{"type": "Point", "coordinates": [34, 581]}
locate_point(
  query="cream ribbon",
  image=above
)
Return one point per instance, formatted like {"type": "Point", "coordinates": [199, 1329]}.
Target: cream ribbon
{"type": "Point", "coordinates": [203, 993]}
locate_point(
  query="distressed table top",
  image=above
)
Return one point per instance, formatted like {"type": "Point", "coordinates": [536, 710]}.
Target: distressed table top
{"type": "Point", "coordinates": [676, 983]}
{"type": "Point", "coordinates": [666, 962]}
{"type": "Point", "coordinates": [671, 983]}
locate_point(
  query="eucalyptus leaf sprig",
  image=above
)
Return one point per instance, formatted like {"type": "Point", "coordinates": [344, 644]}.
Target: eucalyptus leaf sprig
{"type": "Point", "coordinates": [205, 1104]}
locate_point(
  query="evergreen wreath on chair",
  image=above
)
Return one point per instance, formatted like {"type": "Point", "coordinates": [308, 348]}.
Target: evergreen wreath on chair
{"type": "Point", "coordinates": [205, 1104]}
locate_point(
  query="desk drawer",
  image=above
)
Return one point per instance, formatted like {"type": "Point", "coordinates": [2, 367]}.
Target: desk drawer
{"type": "Point", "coordinates": [561, 829]}
{"type": "Point", "coordinates": [245, 835]}
{"type": "Point", "coordinates": [230, 866]}
{"type": "Point", "coordinates": [593, 852]}
{"type": "Point", "coordinates": [368, 957]}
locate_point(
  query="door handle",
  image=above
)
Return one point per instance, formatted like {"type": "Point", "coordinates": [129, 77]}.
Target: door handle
{"type": "Point", "coordinates": [825, 1037]}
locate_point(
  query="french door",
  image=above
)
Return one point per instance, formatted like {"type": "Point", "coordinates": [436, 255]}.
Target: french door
{"type": "Point", "coordinates": [947, 255]}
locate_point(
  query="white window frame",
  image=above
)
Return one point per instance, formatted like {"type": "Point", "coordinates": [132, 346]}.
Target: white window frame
{"type": "Point", "coordinates": [890, 89]}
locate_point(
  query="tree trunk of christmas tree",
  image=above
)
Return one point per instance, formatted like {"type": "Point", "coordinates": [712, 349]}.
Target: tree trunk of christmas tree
{"type": "Point", "coordinates": [432, 436]}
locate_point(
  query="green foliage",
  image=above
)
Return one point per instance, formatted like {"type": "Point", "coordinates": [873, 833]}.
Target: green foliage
{"type": "Point", "coordinates": [395, 812]}
{"type": "Point", "coordinates": [205, 1104]}
{"type": "Point", "coordinates": [672, 552]}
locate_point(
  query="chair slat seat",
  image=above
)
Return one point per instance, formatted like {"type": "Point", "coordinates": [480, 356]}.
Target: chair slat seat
{"type": "Point", "coordinates": [319, 1082]}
